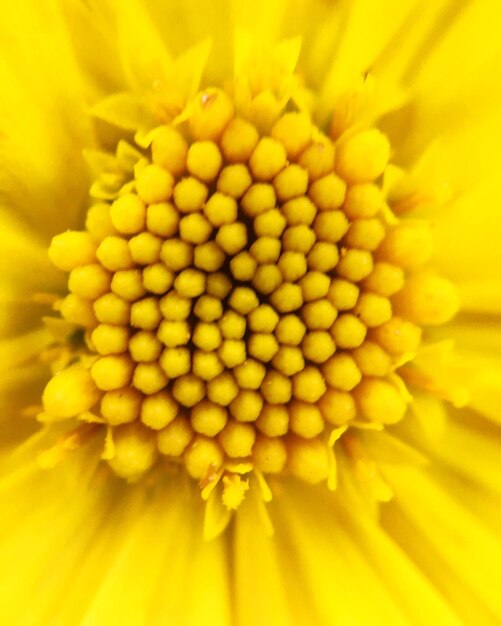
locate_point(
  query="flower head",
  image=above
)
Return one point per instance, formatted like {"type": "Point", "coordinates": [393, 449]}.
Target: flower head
{"type": "Point", "coordinates": [251, 323]}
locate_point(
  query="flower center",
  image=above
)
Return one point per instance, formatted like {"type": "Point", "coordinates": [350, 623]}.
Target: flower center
{"type": "Point", "coordinates": [245, 299]}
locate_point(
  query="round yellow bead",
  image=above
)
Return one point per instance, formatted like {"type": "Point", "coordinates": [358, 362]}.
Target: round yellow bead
{"type": "Point", "coordinates": [208, 418]}
{"type": "Point", "coordinates": [307, 459]}
{"type": "Point", "coordinates": [174, 334]}
{"type": "Point", "coordinates": [207, 336]}
{"type": "Point", "coordinates": [330, 226]}
{"type": "Point", "coordinates": [318, 158]}
{"type": "Point", "coordinates": [263, 319]}
{"type": "Point", "coordinates": [323, 257]}
{"type": "Point", "coordinates": [175, 437]}
{"type": "Point", "coordinates": [276, 388]}
{"type": "Point", "coordinates": [234, 180]}
{"type": "Point", "coordinates": [380, 401]}
{"type": "Point", "coordinates": [243, 266]}
{"type": "Point", "coordinates": [328, 192]}
{"type": "Point", "coordinates": [385, 279]}
{"type": "Point", "coordinates": [174, 307]}
{"type": "Point", "coordinates": [299, 211]}
{"type": "Point", "coordinates": [365, 234]}
{"type": "Point", "coordinates": [250, 374]}
{"type": "Point", "coordinates": [149, 378]}
{"type": "Point", "coordinates": [291, 182]}
{"type": "Point", "coordinates": [343, 294]}
{"type": "Point", "coordinates": [239, 140]}
{"type": "Point", "coordinates": [211, 112]}
{"type": "Point", "coordinates": [246, 406]}
{"type": "Point", "coordinates": [292, 265]}
{"type": "Point", "coordinates": [208, 257]}
{"type": "Point", "coordinates": [72, 249]}
{"type": "Point", "coordinates": [288, 360]}
{"type": "Point", "coordinates": [268, 158]}
{"type": "Point", "coordinates": [262, 346]}
{"type": "Point", "coordinates": [287, 297]}
{"type": "Point", "coordinates": [159, 409]}
{"type": "Point", "coordinates": [162, 219]}
{"type": "Point", "coordinates": [258, 199]}
{"type": "Point", "coordinates": [269, 454]}
{"type": "Point", "coordinates": [363, 201]}
{"type": "Point", "coordinates": [195, 228]}
{"type": "Point", "coordinates": [134, 450]}
{"type": "Point", "coordinates": [397, 336]}
{"type": "Point", "coordinates": [190, 195]}
{"type": "Point", "coordinates": [98, 221]}
{"type": "Point", "coordinates": [267, 278]}
{"type": "Point", "coordinates": [145, 248]}
{"type": "Point", "coordinates": [157, 278]}
{"type": "Point", "coordinates": [207, 365]}
{"type": "Point", "coordinates": [373, 309]}
{"type": "Point", "coordinates": [314, 285]}
{"type": "Point", "coordinates": [121, 406]}
{"type": "Point", "coordinates": [128, 284]}
{"type": "Point", "coordinates": [348, 331]}
{"type": "Point", "coordinates": [144, 346]}
{"type": "Point", "coordinates": [362, 157]}
{"type": "Point", "coordinates": [169, 149]}
{"type": "Point", "coordinates": [232, 238]}
{"type": "Point", "coordinates": [145, 314]}
{"type": "Point", "coordinates": [218, 285]}
{"type": "Point", "coordinates": [208, 308]}
{"type": "Point", "coordinates": [298, 238]}
{"type": "Point", "coordinates": [355, 265]}
{"type": "Point", "coordinates": [70, 392]}
{"type": "Point", "coordinates": [337, 407]}
{"type": "Point", "coordinates": [176, 254]}
{"type": "Point", "coordinates": [270, 223]}
{"type": "Point", "coordinates": [203, 457]}
{"type": "Point", "coordinates": [175, 362]}
{"type": "Point", "coordinates": [371, 359]}
{"type": "Point", "coordinates": [128, 214]}
{"type": "Point", "coordinates": [204, 160]}
{"type": "Point", "coordinates": [341, 372]}
{"type": "Point", "coordinates": [154, 184]}
{"type": "Point", "coordinates": [108, 339]}
{"type": "Point", "coordinates": [232, 325]}
{"type": "Point", "coordinates": [243, 300]}
{"type": "Point", "coordinates": [190, 283]}
{"type": "Point", "coordinates": [220, 209]}
{"type": "Point", "coordinates": [265, 250]}
{"type": "Point", "coordinates": [308, 384]}
{"type": "Point", "coordinates": [305, 419]}
{"type": "Point", "coordinates": [79, 311]}
{"type": "Point", "coordinates": [188, 390]}
{"type": "Point", "coordinates": [290, 330]}
{"type": "Point", "coordinates": [112, 372]}
{"type": "Point", "coordinates": [111, 309]}
{"type": "Point", "coordinates": [89, 281]}
{"type": "Point", "coordinates": [222, 389]}
{"type": "Point", "coordinates": [318, 346]}
{"type": "Point", "coordinates": [232, 352]}
{"type": "Point", "coordinates": [273, 420]}
{"type": "Point", "coordinates": [319, 315]}
{"type": "Point", "coordinates": [293, 131]}
{"type": "Point", "coordinates": [237, 439]}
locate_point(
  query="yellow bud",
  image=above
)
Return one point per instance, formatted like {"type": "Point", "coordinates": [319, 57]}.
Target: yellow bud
{"type": "Point", "coordinates": [72, 249]}
{"type": "Point", "coordinates": [70, 392]}
{"type": "Point", "coordinates": [135, 450]}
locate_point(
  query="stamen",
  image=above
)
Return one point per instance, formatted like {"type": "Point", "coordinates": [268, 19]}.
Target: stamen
{"type": "Point", "coordinates": [246, 298]}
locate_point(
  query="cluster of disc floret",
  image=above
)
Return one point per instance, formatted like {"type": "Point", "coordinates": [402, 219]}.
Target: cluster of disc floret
{"type": "Point", "coordinates": [243, 296]}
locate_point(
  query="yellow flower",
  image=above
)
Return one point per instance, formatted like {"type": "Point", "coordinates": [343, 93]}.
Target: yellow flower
{"type": "Point", "coordinates": [236, 386]}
